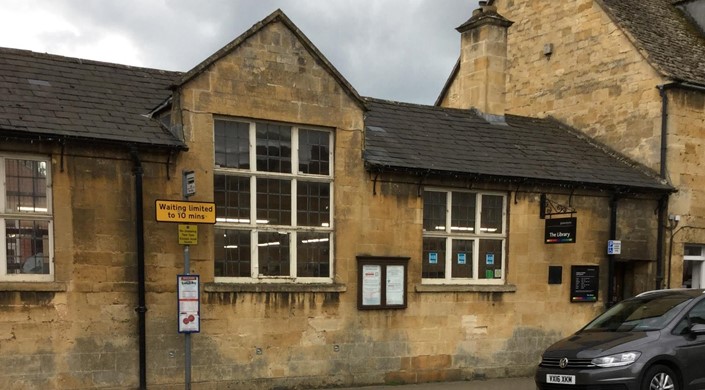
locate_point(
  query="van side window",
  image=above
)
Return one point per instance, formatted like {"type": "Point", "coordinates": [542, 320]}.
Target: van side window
{"type": "Point", "coordinates": [696, 315]}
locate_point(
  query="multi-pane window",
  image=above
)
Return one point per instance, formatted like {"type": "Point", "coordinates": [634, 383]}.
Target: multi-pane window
{"type": "Point", "coordinates": [273, 191]}
{"type": "Point", "coordinates": [464, 237]}
{"type": "Point", "coordinates": [25, 219]}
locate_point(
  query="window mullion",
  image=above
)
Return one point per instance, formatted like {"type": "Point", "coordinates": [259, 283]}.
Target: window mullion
{"type": "Point", "coordinates": [294, 150]}
{"type": "Point", "coordinates": [253, 146]}
{"type": "Point", "coordinates": [3, 244]}
{"type": "Point", "coordinates": [254, 259]}
{"type": "Point", "coordinates": [476, 259]}
{"type": "Point", "coordinates": [293, 240]}
{"type": "Point", "coordinates": [254, 253]}
{"type": "Point", "coordinates": [449, 242]}
{"type": "Point", "coordinates": [3, 195]}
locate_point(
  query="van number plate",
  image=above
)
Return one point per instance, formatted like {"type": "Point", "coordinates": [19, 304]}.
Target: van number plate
{"type": "Point", "coordinates": [562, 379]}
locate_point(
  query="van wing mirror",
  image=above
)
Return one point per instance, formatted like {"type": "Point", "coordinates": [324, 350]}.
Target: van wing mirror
{"type": "Point", "coordinates": [697, 329]}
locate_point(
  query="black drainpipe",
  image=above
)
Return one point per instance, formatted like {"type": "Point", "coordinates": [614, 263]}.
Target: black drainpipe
{"type": "Point", "coordinates": [610, 301]}
{"type": "Point", "coordinates": [662, 206]}
{"type": "Point", "coordinates": [663, 203]}
{"type": "Point", "coordinates": [141, 308]}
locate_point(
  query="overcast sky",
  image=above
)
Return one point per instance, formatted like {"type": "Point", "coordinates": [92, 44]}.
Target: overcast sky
{"type": "Point", "coordinates": [391, 49]}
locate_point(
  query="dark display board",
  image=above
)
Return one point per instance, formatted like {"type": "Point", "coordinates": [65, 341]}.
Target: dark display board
{"type": "Point", "coordinates": [381, 282]}
{"type": "Point", "coordinates": [584, 283]}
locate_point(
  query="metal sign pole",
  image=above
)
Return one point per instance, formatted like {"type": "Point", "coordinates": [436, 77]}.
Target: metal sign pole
{"type": "Point", "coordinates": [187, 336]}
{"type": "Point", "coordinates": [188, 188]}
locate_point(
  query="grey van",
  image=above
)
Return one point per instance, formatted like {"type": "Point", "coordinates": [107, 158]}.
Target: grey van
{"type": "Point", "coordinates": [654, 341]}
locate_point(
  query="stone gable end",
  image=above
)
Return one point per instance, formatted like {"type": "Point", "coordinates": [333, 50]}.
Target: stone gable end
{"type": "Point", "coordinates": [273, 73]}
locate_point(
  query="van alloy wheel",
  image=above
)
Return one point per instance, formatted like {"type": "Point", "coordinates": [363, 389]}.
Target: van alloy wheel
{"type": "Point", "coordinates": [660, 378]}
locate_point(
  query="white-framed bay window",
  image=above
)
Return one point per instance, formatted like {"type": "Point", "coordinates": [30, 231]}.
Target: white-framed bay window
{"type": "Point", "coordinates": [273, 189]}
{"type": "Point", "coordinates": [464, 237]}
{"type": "Point", "coordinates": [26, 221]}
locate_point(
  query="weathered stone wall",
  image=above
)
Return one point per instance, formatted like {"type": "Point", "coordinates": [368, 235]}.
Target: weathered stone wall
{"type": "Point", "coordinates": [80, 331]}
{"type": "Point", "coordinates": [597, 81]}
{"type": "Point", "coordinates": [594, 80]}
{"type": "Point", "coordinates": [686, 159]}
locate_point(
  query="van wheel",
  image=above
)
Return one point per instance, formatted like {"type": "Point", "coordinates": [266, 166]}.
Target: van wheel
{"type": "Point", "coordinates": [660, 377]}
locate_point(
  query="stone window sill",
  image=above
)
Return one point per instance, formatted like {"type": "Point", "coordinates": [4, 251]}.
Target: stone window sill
{"type": "Point", "coordinates": [273, 287]}
{"type": "Point", "coordinates": [442, 288]}
{"type": "Point", "coordinates": [33, 286]}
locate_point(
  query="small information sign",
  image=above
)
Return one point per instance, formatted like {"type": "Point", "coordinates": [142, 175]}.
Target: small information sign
{"type": "Point", "coordinates": [188, 234]}
{"type": "Point", "coordinates": [614, 247]}
{"type": "Point", "coordinates": [189, 306]}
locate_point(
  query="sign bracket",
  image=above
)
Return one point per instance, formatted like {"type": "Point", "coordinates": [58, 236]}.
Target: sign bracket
{"type": "Point", "coordinates": [551, 208]}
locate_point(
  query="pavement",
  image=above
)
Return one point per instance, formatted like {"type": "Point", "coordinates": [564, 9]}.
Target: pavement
{"type": "Point", "coordinates": [490, 384]}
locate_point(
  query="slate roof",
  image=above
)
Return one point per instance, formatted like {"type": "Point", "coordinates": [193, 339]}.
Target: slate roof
{"type": "Point", "coordinates": [669, 40]}
{"type": "Point", "coordinates": [51, 97]}
{"type": "Point", "coordinates": [417, 139]}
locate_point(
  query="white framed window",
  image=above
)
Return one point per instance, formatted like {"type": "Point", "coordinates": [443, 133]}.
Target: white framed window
{"type": "Point", "coordinates": [464, 237]}
{"type": "Point", "coordinates": [693, 260]}
{"type": "Point", "coordinates": [26, 222]}
{"type": "Point", "coordinates": [273, 189]}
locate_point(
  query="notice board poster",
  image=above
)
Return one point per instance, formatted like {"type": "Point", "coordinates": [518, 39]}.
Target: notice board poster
{"type": "Point", "coordinates": [584, 283]}
{"type": "Point", "coordinates": [560, 230]}
{"type": "Point", "coordinates": [371, 285]}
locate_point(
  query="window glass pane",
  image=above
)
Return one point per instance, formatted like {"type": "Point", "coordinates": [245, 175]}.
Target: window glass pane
{"type": "Point", "coordinates": [273, 252]}
{"type": "Point", "coordinates": [273, 148]}
{"type": "Point", "coordinates": [462, 215]}
{"type": "Point", "coordinates": [434, 211]}
{"type": "Point", "coordinates": [492, 214]}
{"type": "Point", "coordinates": [26, 186]}
{"type": "Point", "coordinates": [232, 144]}
{"type": "Point", "coordinates": [490, 261]}
{"type": "Point", "coordinates": [693, 250]}
{"type": "Point", "coordinates": [232, 253]}
{"type": "Point", "coordinates": [273, 201]}
{"type": "Point", "coordinates": [232, 198]}
{"type": "Point", "coordinates": [314, 155]}
{"type": "Point", "coordinates": [313, 203]}
{"type": "Point", "coordinates": [313, 255]}
{"type": "Point", "coordinates": [27, 246]}
{"type": "Point", "coordinates": [434, 258]}
{"type": "Point", "coordinates": [462, 258]}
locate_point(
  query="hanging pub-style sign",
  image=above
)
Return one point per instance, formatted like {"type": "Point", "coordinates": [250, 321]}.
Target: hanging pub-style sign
{"type": "Point", "coordinates": [560, 230]}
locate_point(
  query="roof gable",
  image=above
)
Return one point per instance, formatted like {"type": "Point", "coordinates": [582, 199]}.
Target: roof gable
{"type": "Point", "coordinates": [276, 16]}
{"type": "Point", "coordinates": [666, 37]}
{"type": "Point", "coordinates": [49, 96]}
{"type": "Point", "coordinates": [455, 142]}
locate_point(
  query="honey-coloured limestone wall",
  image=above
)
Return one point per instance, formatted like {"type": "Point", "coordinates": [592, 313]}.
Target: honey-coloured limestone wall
{"type": "Point", "coordinates": [597, 80]}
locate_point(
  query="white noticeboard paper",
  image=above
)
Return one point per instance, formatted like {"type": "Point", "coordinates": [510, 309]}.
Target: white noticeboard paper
{"type": "Point", "coordinates": [395, 285]}
{"type": "Point", "coordinates": [371, 285]}
{"type": "Point", "coordinates": [189, 307]}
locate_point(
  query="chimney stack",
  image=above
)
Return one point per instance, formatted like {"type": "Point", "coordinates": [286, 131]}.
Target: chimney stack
{"type": "Point", "coordinates": [483, 61]}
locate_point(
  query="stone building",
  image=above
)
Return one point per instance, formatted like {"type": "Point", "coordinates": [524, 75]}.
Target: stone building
{"type": "Point", "coordinates": [630, 74]}
{"type": "Point", "coordinates": [354, 240]}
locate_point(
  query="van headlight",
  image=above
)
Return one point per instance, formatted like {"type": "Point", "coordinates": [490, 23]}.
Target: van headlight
{"type": "Point", "coordinates": [617, 360]}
